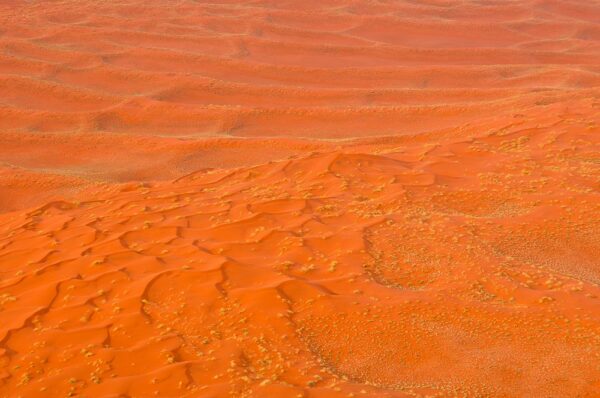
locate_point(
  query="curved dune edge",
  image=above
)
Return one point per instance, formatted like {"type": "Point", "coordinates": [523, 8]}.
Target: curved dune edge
{"type": "Point", "coordinates": [468, 268]}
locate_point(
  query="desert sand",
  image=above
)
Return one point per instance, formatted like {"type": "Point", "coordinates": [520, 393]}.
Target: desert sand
{"type": "Point", "coordinates": [311, 199]}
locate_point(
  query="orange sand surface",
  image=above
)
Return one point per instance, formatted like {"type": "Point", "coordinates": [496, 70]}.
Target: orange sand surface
{"type": "Point", "coordinates": [312, 199]}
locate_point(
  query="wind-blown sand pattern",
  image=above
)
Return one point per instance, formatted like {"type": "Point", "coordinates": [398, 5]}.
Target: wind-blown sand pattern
{"type": "Point", "coordinates": [299, 199]}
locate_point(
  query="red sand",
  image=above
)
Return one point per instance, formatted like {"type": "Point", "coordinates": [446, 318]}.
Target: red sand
{"type": "Point", "coordinates": [299, 199]}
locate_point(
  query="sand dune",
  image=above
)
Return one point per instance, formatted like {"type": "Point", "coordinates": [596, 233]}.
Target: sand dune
{"type": "Point", "coordinates": [336, 198]}
{"type": "Point", "coordinates": [71, 70]}
{"type": "Point", "coordinates": [414, 270]}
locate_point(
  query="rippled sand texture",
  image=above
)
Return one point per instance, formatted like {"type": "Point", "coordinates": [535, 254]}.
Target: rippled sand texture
{"type": "Point", "coordinates": [116, 91]}
{"type": "Point", "coordinates": [299, 199]}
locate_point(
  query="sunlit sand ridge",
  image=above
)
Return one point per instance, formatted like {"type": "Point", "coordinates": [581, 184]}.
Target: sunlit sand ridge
{"type": "Point", "coordinates": [299, 199]}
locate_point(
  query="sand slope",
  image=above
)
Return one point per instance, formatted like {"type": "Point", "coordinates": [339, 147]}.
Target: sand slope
{"type": "Point", "coordinates": [299, 198]}
{"type": "Point", "coordinates": [467, 268]}
{"type": "Point", "coordinates": [124, 87]}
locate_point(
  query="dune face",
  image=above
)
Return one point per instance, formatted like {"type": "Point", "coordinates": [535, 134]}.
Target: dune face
{"type": "Point", "coordinates": [299, 199]}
